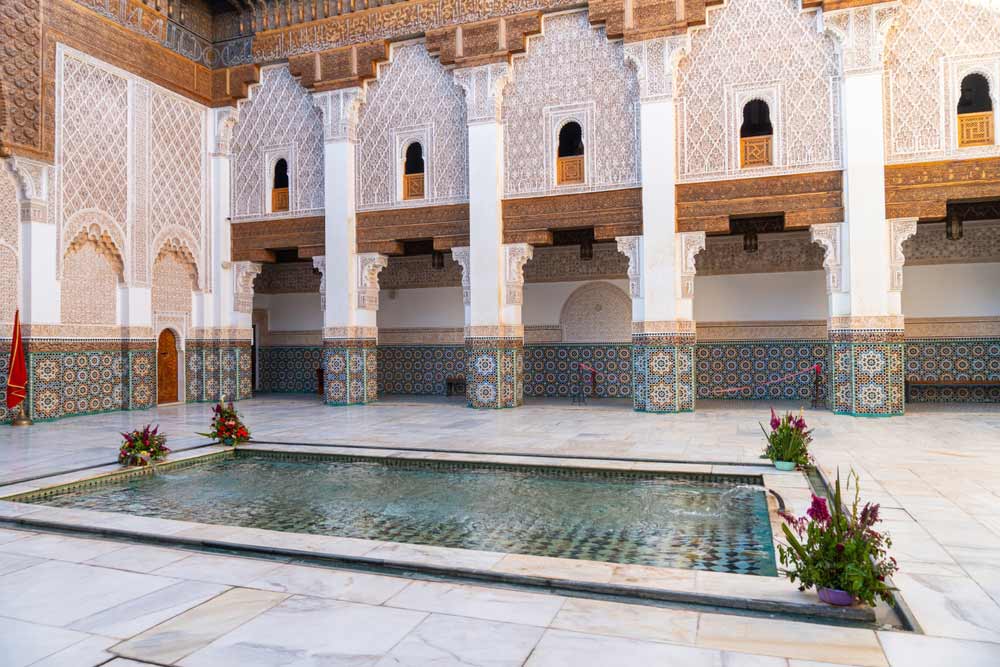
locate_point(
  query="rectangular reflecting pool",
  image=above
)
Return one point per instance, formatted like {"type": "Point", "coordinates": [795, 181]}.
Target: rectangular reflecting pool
{"type": "Point", "coordinates": [663, 520]}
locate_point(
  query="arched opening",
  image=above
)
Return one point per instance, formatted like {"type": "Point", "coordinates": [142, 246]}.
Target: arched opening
{"type": "Point", "coordinates": [756, 133]}
{"type": "Point", "coordinates": [413, 172]}
{"type": "Point", "coordinates": [975, 112]}
{"type": "Point", "coordinates": [166, 368]}
{"type": "Point", "coordinates": [569, 155]}
{"type": "Point", "coordinates": [279, 188]}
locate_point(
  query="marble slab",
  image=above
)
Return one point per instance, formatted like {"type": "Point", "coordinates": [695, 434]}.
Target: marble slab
{"type": "Point", "coordinates": [447, 640]}
{"type": "Point", "coordinates": [635, 621]}
{"type": "Point", "coordinates": [23, 643]}
{"type": "Point", "coordinates": [230, 571]}
{"type": "Point", "coordinates": [492, 604]}
{"type": "Point", "coordinates": [906, 650]}
{"type": "Point", "coordinates": [193, 630]}
{"type": "Point", "coordinates": [90, 652]}
{"type": "Point", "coordinates": [559, 648]}
{"type": "Point", "coordinates": [326, 583]}
{"type": "Point", "coordinates": [310, 631]}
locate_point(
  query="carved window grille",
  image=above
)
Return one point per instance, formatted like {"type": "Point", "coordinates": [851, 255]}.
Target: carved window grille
{"type": "Point", "coordinates": [975, 113]}
{"type": "Point", "coordinates": [413, 172]}
{"type": "Point", "coordinates": [569, 157]}
{"type": "Point", "coordinates": [756, 135]}
{"type": "Point", "coordinates": [279, 190]}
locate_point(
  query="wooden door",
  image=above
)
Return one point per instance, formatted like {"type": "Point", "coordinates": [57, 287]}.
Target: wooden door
{"type": "Point", "coordinates": [166, 368]}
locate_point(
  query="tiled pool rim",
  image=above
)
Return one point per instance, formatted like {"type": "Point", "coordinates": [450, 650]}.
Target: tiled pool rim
{"type": "Point", "coordinates": [428, 559]}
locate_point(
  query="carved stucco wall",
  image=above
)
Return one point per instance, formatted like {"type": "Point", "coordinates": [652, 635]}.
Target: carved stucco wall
{"type": "Point", "coordinates": [597, 312]}
{"type": "Point", "coordinates": [89, 293]}
{"type": "Point", "coordinates": [9, 244]}
{"type": "Point", "coordinates": [933, 45]}
{"type": "Point", "coordinates": [570, 72]}
{"type": "Point", "coordinates": [130, 179]}
{"type": "Point", "coordinates": [758, 49]}
{"type": "Point", "coordinates": [413, 99]}
{"type": "Point", "coordinates": [278, 120]}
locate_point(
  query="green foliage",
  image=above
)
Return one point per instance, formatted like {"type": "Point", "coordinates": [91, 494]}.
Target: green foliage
{"type": "Point", "coordinates": [140, 448]}
{"type": "Point", "coordinates": [839, 549]}
{"type": "Point", "coordinates": [788, 440]}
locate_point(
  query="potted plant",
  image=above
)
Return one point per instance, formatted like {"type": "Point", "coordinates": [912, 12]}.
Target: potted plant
{"type": "Point", "coordinates": [839, 553]}
{"type": "Point", "coordinates": [226, 426]}
{"type": "Point", "coordinates": [143, 447]}
{"type": "Point", "coordinates": [788, 441]}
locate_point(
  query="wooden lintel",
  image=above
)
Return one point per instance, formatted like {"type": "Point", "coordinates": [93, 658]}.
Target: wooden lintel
{"type": "Point", "coordinates": [445, 243]}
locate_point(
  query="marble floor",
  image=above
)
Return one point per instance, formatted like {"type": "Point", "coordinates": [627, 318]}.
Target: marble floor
{"type": "Point", "coordinates": [71, 601]}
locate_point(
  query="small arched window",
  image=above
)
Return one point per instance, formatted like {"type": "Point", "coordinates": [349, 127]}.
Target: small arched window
{"type": "Point", "coordinates": [975, 112]}
{"type": "Point", "coordinates": [569, 155]}
{"type": "Point", "coordinates": [413, 172]}
{"type": "Point", "coordinates": [279, 186]}
{"type": "Point", "coordinates": [755, 135]}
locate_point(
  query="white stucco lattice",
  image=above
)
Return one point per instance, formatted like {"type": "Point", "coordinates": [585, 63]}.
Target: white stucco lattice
{"type": "Point", "coordinates": [414, 97]}
{"type": "Point", "coordinates": [758, 45]}
{"type": "Point", "coordinates": [279, 113]}
{"type": "Point", "coordinates": [570, 63]}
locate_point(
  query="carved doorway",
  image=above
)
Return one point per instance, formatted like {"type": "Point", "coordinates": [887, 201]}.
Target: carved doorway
{"type": "Point", "coordinates": [166, 368]}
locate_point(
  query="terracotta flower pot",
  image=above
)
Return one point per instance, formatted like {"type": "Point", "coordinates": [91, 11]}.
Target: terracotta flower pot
{"type": "Point", "coordinates": [835, 597]}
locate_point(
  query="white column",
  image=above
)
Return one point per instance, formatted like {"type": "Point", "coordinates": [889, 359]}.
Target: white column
{"type": "Point", "coordinates": [224, 312]}
{"type": "Point", "coordinates": [483, 88]}
{"type": "Point", "coordinates": [462, 257]}
{"type": "Point", "coordinates": [341, 318]}
{"type": "Point", "coordinates": [39, 249]}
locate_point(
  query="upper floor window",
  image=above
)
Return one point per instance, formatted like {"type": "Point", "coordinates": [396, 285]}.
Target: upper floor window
{"type": "Point", "coordinates": [279, 187]}
{"type": "Point", "coordinates": [413, 172]}
{"type": "Point", "coordinates": [755, 135]}
{"type": "Point", "coordinates": [975, 112]}
{"type": "Point", "coordinates": [569, 155]}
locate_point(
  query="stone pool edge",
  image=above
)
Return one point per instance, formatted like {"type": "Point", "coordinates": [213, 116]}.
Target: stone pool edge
{"type": "Point", "coordinates": [698, 587]}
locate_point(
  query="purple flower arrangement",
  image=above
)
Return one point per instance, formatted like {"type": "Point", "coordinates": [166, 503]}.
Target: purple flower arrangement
{"type": "Point", "coordinates": [835, 550]}
{"type": "Point", "coordinates": [141, 448]}
{"type": "Point", "coordinates": [788, 440]}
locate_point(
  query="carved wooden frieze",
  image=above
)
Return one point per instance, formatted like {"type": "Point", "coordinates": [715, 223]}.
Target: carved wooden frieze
{"type": "Point", "coordinates": [804, 199]}
{"type": "Point", "coordinates": [923, 190]}
{"type": "Point", "coordinates": [256, 241]}
{"type": "Point", "coordinates": [611, 213]}
{"type": "Point", "coordinates": [346, 67]}
{"type": "Point", "coordinates": [383, 231]}
{"type": "Point", "coordinates": [489, 41]}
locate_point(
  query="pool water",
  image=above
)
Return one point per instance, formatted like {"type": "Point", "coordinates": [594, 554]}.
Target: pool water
{"type": "Point", "coordinates": [646, 519]}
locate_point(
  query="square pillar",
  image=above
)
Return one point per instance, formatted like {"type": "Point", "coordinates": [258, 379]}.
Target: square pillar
{"type": "Point", "coordinates": [663, 378]}
{"type": "Point", "coordinates": [350, 279]}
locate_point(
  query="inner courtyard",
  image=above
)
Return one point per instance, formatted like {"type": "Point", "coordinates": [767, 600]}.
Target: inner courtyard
{"type": "Point", "coordinates": [449, 333]}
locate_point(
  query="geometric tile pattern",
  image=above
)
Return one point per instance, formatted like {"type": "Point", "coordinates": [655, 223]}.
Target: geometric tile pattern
{"type": "Point", "coordinates": [552, 370]}
{"type": "Point", "coordinates": [290, 370]}
{"type": "Point", "coordinates": [975, 359]}
{"type": "Point", "coordinates": [867, 372]}
{"type": "Point", "coordinates": [350, 371]}
{"type": "Point", "coordinates": [216, 369]}
{"type": "Point", "coordinates": [753, 364]}
{"type": "Point", "coordinates": [4, 365]}
{"type": "Point", "coordinates": [494, 372]}
{"type": "Point", "coordinates": [419, 369]}
{"type": "Point", "coordinates": [663, 377]}
{"type": "Point", "coordinates": [70, 378]}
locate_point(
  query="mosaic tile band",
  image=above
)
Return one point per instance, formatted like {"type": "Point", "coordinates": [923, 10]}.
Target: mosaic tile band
{"type": "Point", "coordinates": [350, 371]}
{"type": "Point", "coordinates": [290, 370]}
{"type": "Point", "coordinates": [867, 372]}
{"type": "Point", "coordinates": [216, 370]}
{"type": "Point", "coordinates": [663, 373]}
{"type": "Point", "coordinates": [495, 377]}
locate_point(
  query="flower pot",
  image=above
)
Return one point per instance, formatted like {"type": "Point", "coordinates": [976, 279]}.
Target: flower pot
{"type": "Point", "coordinates": [785, 465]}
{"type": "Point", "coordinates": [835, 597]}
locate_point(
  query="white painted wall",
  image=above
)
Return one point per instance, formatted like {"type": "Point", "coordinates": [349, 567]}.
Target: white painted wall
{"type": "Point", "coordinates": [427, 307]}
{"type": "Point", "coordinates": [543, 302]}
{"type": "Point", "coordinates": [951, 290]}
{"type": "Point", "coordinates": [798, 295]}
{"type": "Point", "coordinates": [291, 312]}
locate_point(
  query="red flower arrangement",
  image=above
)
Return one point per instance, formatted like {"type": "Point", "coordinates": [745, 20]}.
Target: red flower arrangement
{"type": "Point", "coordinates": [226, 426]}
{"type": "Point", "coordinates": [141, 448]}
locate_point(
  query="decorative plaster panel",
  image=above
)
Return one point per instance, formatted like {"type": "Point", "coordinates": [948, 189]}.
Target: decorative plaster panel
{"type": "Point", "coordinates": [414, 98]}
{"type": "Point", "coordinates": [9, 245]}
{"type": "Point", "coordinates": [597, 312]}
{"type": "Point", "coordinates": [933, 45]}
{"type": "Point", "coordinates": [89, 293]}
{"type": "Point", "coordinates": [758, 44]}
{"type": "Point", "coordinates": [570, 63]}
{"type": "Point", "coordinates": [279, 112]}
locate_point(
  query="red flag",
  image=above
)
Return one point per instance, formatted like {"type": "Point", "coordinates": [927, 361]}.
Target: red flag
{"type": "Point", "coordinates": [17, 371]}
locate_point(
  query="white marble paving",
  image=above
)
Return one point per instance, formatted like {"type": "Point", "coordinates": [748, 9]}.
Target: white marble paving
{"type": "Point", "coordinates": [219, 569]}
{"type": "Point", "coordinates": [310, 631]}
{"type": "Point", "coordinates": [89, 652]}
{"type": "Point", "coordinates": [906, 650]}
{"type": "Point", "coordinates": [463, 642]}
{"type": "Point", "coordinates": [60, 593]}
{"type": "Point", "coordinates": [492, 604]}
{"type": "Point", "coordinates": [23, 643]}
{"type": "Point", "coordinates": [325, 583]}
